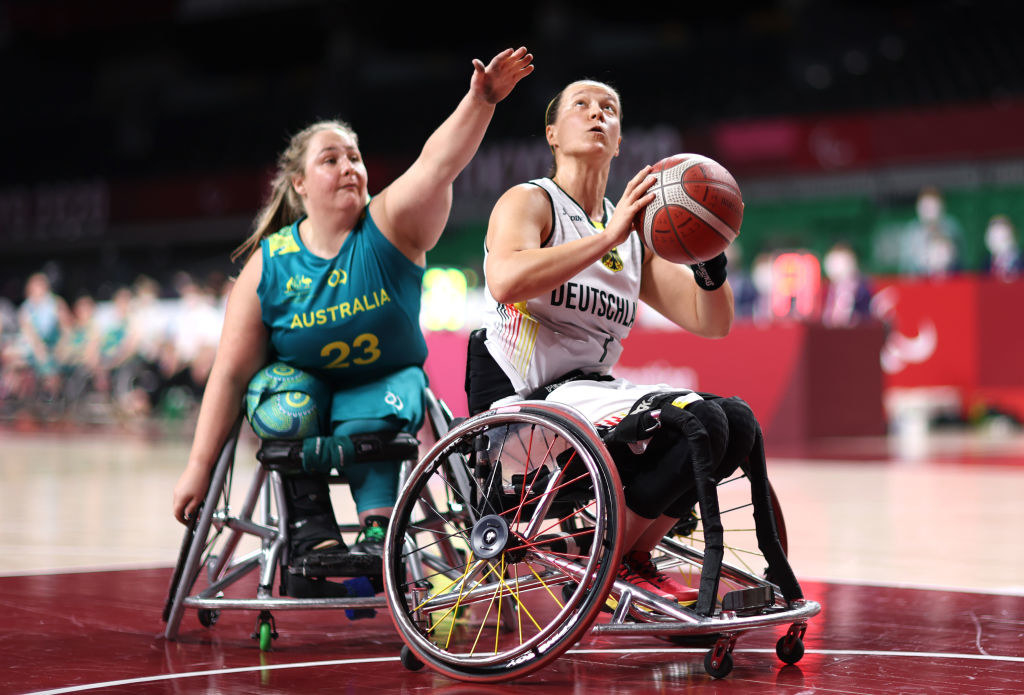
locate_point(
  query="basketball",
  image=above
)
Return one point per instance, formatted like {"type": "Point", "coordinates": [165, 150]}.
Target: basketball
{"type": "Point", "coordinates": [696, 212]}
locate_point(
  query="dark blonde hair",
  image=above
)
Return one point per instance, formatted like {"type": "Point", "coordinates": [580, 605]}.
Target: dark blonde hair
{"type": "Point", "coordinates": [284, 205]}
{"type": "Point", "coordinates": [551, 113]}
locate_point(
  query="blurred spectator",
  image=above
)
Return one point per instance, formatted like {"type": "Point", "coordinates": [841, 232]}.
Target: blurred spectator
{"type": "Point", "coordinates": [187, 356]}
{"type": "Point", "coordinates": [8, 324]}
{"type": "Point", "coordinates": [138, 383]}
{"type": "Point", "coordinates": [762, 277]}
{"type": "Point", "coordinates": [743, 291]}
{"type": "Point", "coordinates": [931, 243]}
{"type": "Point", "coordinates": [848, 295]}
{"type": "Point", "coordinates": [42, 317]}
{"type": "Point", "coordinates": [79, 343]}
{"type": "Point", "coordinates": [1004, 259]}
{"type": "Point", "coordinates": [13, 362]}
{"type": "Point", "coordinates": [150, 325]}
{"type": "Point", "coordinates": [118, 340]}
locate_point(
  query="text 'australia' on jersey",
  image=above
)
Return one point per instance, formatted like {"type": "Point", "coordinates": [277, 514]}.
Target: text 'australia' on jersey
{"type": "Point", "coordinates": [348, 319]}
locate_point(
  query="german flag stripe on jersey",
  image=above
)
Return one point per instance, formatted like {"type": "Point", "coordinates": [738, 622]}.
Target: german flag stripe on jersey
{"type": "Point", "coordinates": [519, 334]}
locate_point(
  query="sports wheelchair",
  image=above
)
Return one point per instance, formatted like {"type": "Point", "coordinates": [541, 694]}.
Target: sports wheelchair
{"type": "Point", "coordinates": [210, 578]}
{"type": "Point", "coordinates": [505, 542]}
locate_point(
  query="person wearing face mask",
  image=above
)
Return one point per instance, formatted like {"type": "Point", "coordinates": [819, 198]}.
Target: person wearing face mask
{"type": "Point", "coordinates": [932, 241]}
{"type": "Point", "coordinates": [1004, 261]}
{"type": "Point", "coordinates": [848, 297]}
{"type": "Point", "coordinates": [330, 296]}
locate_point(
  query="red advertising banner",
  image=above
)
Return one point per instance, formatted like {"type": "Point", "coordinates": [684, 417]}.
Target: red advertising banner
{"type": "Point", "coordinates": [965, 333]}
{"type": "Point", "coordinates": [807, 381]}
{"type": "Point", "coordinates": [803, 381]}
{"type": "Point", "coordinates": [872, 139]}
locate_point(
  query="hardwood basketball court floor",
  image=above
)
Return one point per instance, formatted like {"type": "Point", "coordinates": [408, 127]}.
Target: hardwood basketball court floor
{"type": "Point", "coordinates": [914, 550]}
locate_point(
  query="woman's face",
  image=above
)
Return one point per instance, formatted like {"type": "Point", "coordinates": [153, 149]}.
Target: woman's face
{"type": "Point", "coordinates": [334, 176]}
{"type": "Point", "coordinates": [588, 121]}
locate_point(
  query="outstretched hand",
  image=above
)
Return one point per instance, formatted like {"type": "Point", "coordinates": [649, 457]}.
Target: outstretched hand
{"type": "Point", "coordinates": [495, 81]}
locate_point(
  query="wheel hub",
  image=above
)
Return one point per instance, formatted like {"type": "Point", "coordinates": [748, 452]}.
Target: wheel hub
{"type": "Point", "coordinates": [489, 537]}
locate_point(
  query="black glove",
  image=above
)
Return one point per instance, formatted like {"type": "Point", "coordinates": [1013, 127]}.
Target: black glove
{"type": "Point", "coordinates": [710, 275]}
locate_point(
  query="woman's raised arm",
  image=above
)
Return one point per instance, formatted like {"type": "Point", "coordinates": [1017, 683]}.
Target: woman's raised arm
{"type": "Point", "coordinates": [413, 210]}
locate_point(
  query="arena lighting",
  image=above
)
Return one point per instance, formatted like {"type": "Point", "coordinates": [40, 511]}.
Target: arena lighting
{"type": "Point", "coordinates": [796, 277]}
{"type": "Point", "coordinates": [444, 299]}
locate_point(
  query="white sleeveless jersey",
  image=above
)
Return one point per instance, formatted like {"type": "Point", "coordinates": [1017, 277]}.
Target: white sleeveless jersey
{"type": "Point", "coordinates": [578, 325]}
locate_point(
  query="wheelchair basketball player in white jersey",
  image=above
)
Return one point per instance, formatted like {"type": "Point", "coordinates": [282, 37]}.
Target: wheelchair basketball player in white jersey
{"type": "Point", "coordinates": [564, 273]}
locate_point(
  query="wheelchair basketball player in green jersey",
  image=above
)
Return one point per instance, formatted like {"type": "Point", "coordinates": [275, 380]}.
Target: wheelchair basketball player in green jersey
{"type": "Point", "coordinates": [330, 297]}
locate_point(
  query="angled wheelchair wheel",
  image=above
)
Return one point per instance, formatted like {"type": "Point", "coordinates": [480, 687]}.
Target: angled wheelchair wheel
{"type": "Point", "coordinates": [201, 545]}
{"type": "Point", "coordinates": [504, 543]}
{"type": "Point", "coordinates": [179, 568]}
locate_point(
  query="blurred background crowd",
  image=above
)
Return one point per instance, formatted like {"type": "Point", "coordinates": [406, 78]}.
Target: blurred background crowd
{"type": "Point", "coordinates": [870, 141]}
{"type": "Point", "coordinates": [126, 354]}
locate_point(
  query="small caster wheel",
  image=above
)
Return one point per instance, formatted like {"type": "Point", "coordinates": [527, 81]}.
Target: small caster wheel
{"type": "Point", "coordinates": [568, 590]}
{"type": "Point", "coordinates": [410, 660]}
{"type": "Point", "coordinates": [266, 631]}
{"type": "Point", "coordinates": [208, 617]}
{"type": "Point", "coordinates": [266, 635]}
{"type": "Point", "coordinates": [720, 669]}
{"type": "Point", "coordinates": [789, 650]}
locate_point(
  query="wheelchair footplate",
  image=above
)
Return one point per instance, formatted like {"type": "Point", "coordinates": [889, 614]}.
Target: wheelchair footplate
{"type": "Point", "coordinates": [338, 565]}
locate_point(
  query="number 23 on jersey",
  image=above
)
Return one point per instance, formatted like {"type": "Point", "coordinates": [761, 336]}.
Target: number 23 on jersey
{"type": "Point", "coordinates": [363, 350]}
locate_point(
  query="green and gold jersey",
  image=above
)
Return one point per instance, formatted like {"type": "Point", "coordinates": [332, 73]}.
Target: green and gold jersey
{"type": "Point", "coordinates": [348, 320]}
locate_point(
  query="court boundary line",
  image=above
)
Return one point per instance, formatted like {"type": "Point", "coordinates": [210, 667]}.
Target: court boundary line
{"type": "Point", "coordinates": [878, 583]}
{"type": "Point", "coordinates": [641, 650]}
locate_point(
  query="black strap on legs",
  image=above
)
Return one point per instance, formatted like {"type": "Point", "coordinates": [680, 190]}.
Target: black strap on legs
{"type": "Point", "coordinates": [690, 426]}
{"type": "Point", "coordinates": [705, 424]}
{"type": "Point", "coordinates": [780, 572]}
{"type": "Point", "coordinates": [743, 427]}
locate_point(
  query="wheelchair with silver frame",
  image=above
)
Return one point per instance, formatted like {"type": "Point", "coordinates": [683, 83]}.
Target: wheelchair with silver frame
{"type": "Point", "coordinates": [505, 542]}
{"type": "Point", "coordinates": [219, 569]}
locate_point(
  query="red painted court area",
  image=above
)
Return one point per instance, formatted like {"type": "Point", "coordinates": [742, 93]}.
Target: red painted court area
{"type": "Point", "coordinates": [100, 632]}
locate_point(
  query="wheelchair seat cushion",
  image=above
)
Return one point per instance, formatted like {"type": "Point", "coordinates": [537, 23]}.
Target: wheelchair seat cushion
{"type": "Point", "coordinates": [605, 403]}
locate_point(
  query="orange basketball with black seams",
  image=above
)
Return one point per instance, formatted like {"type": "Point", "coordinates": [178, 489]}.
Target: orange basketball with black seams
{"type": "Point", "coordinates": [697, 210]}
